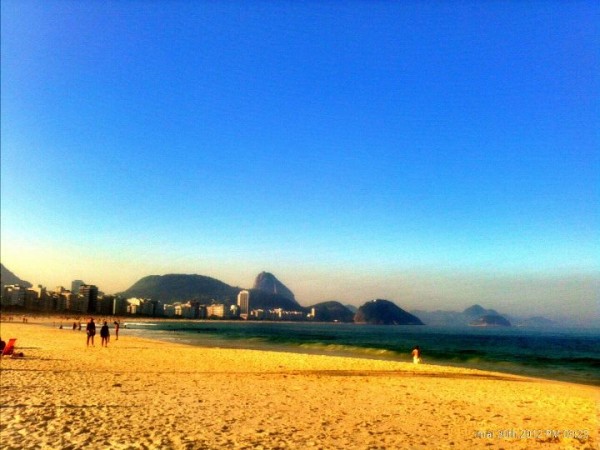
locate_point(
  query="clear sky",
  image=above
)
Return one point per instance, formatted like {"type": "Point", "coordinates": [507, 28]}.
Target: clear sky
{"type": "Point", "coordinates": [437, 154]}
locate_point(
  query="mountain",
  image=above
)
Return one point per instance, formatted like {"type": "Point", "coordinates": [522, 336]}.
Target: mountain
{"type": "Point", "coordinates": [384, 312]}
{"type": "Point", "coordinates": [478, 311]}
{"type": "Point", "coordinates": [267, 282]}
{"type": "Point", "coordinates": [181, 287]}
{"type": "Point", "coordinates": [490, 320]}
{"type": "Point", "coordinates": [332, 311]}
{"type": "Point", "coordinates": [477, 314]}
{"type": "Point", "coordinates": [7, 277]}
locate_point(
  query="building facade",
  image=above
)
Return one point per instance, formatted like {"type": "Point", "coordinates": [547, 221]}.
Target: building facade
{"type": "Point", "coordinates": [243, 302]}
{"type": "Point", "coordinates": [88, 295]}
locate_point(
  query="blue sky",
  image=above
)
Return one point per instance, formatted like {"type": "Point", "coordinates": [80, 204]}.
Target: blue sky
{"type": "Point", "coordinates": [355, 149]}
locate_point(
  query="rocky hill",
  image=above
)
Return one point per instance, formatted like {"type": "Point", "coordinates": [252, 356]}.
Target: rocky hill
{"type": "Point", "coordinates": [477, 311]}
{"type": "Point", "coordinates": [7, 277]}
{"type": "Point", "coordinates": [182, 287]}
{"type": "Point", "coordinates": [490, 320]}
{"type": "Point", "coordinates": [384, 312]}
{"type": "Point", "coordinates": [472, 314]}
{"type": "Point", "coordinates": [267, 282]}
{"type": "Point", "coordinates": [332, 311]}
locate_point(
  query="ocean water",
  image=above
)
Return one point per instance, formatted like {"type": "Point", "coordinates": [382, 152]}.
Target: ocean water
{"type": "Point", "coordinates": [559, 354]}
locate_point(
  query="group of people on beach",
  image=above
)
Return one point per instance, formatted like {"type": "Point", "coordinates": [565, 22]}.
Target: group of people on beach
{"type": "Point", "coordinates": [104, 332]}
{"type": "Point", "coordinates": [25, 319]}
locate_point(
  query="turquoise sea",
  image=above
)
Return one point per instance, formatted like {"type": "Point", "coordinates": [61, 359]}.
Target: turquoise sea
{"type": "Point", "coordinates": [559, 354]}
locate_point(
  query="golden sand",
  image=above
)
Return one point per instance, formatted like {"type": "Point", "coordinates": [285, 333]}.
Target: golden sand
{"type": "Point", "coordinates": [143, 394]}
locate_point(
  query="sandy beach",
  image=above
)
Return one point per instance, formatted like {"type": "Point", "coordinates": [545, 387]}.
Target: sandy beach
{"type": "Point", "coordinates": [143, 394]}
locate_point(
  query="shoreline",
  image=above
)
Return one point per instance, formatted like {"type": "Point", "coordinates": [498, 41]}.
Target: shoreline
{"type": "Point", "coordinates": [141, 393]}
{"type": "Point", "coordinates": [310, 348]}
{"type": "Point", "coordinates": [307, 350]}
{"type": "Point", "coordinates": [219, 337]}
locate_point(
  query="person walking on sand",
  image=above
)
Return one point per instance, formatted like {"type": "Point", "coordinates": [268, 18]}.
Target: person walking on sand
{"type": "Point", "coordinates": [416, 354]}
{"type": "Point", "coordinates": [105, 335]}
{"type": "Point", "coordinates": [117, 329]}
{"type": "Point", "coordinates": [91, 331]}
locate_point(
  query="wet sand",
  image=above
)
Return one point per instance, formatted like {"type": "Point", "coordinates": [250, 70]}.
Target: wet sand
{"type": "Point", "coordinates": [144, 394]}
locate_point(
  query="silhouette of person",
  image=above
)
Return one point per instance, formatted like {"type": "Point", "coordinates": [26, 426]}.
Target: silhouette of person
{"type": "Point", "coordinates": [104, 335]}
{"type": "Point", "coordinates": [91, 331]}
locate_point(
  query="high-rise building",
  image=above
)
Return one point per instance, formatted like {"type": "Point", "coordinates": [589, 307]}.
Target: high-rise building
{"type": "Point", "coordinates": [64, 299]}
{"type": "Point", "coordinates": [105, 305]}
{"type": "Point", "coordinates": [75, 285]}
{"type": "Point", "coordinates": [120, 306]}
{"type": "Point", "coordinates": [243, 302]}
{"type": "Point", "coordinates": [89, 294]}
{"type": "Point", "coordinates": [14, 295]}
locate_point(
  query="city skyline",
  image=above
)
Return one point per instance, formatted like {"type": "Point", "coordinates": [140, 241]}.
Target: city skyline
{"type": "Point", "coordinates": [494, 290]}
{"type": "Point", "coordinates": [436, 155]}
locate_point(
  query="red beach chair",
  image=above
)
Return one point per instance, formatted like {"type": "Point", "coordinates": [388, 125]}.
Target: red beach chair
{"type": "Point", "coordinates": [10, 347]}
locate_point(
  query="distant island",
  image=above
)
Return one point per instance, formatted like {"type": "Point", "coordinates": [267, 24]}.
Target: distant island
{"type": "Point", "coordinates": [478, 316]}
{"type": "Point", "coordinates": [384, 312]}
{"type": "Point", "coordinates": [490, 320]}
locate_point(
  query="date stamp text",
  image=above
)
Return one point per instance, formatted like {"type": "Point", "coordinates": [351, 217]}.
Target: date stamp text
{"type": "Point", "coordinates": [539, 434]}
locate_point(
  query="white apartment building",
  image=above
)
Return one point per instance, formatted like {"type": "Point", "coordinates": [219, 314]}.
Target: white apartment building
{"type": "Point", "coordinates": [243, 301]}
{"type": "Point", "coordinates": [216, 310]}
